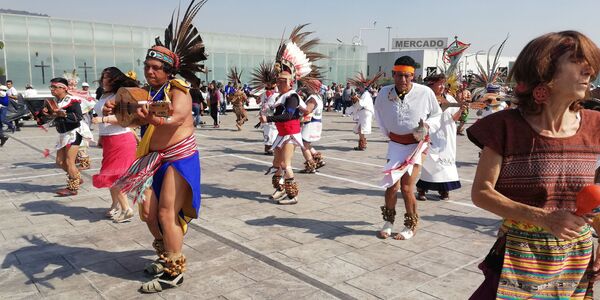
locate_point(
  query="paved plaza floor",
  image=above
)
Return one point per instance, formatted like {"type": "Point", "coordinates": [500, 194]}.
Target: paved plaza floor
{"type": "Point", "coordinates": [243, 246]}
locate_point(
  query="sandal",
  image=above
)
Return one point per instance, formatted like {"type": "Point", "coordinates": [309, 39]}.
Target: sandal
{"type": "Point", "coordinates": [405, 234]}
{"type": "Point", "coordinates": [288, 201]}
{"type": "Point", "coordinates": [125, 216]}
{"type": "Point", "coordinates": [111, 213]}
{"type": "Point", "coordinates": [155, 268]}
{"type": "Point", "coordinates": [421, 195]}
{"type": "Point", "coordinates": [386, 231]}
{"type": "Point", "coordinates": [159, 284]}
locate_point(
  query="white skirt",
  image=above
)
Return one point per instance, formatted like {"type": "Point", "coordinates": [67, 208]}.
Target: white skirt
{"type": "Point", "coordinates": [290, 138]}
{"type": "Point", "coordinates": [269, 133]}
{"type": "Point", "coordinates": [69, 137]}
{"type": "Point", "coordinates": [311, 132]}
{"type": "Point", "coordinates": [364, 119]}
{"type": "Point", "coordinates": [401, 160]}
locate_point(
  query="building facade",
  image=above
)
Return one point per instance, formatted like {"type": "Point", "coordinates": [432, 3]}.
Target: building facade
{"type": "Point", "coordinates": [37, 49]}
{"type": "Point", "coordinates": [430, 61]}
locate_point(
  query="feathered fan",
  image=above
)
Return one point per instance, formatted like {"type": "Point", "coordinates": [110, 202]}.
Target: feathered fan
{"type": "Point", "coordinates": [185, 41]}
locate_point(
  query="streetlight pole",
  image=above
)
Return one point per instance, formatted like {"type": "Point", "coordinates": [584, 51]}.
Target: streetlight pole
{"type": "Point", "coordinates": [388, 42]}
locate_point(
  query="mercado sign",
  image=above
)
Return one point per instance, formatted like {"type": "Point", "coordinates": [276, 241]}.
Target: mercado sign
{"type": "Point", "coordinates": [420, 43]}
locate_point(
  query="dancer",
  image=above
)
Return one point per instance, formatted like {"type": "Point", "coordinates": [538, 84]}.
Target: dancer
{"type": "Point", "coordinates": [264, 78]}
{"type": "Point", "coordinates": [72, 131]}
{"type": "Point", "coordinates": [363, 107]}
{"type": "Point", "coordinates": [312, 126]}
{"type": "Point", "coordinates": [167, 157]}
{"type": "Point", "coordinates": [405, 112]}
{"type": "Point", "coordinates": [439, 171]}
{"type": "Point", "coordinates": [294, 62]}
{"type": "Point", "coordinates": [238, 98]}
{"type": "Point", "coordinates": [118, 145]}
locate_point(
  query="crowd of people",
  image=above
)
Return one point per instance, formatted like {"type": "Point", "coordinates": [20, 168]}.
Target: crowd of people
{"type": "Point", "coordinates": [538, 147]}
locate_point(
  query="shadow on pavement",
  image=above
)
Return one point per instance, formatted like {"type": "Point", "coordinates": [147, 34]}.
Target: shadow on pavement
{"type": "Point", "coordinates": [322, 229]}
{"type": "Point", "coordinates": [26, 188]}
{"type": "Point", "coordinates": [66, 261]}
{"type": "Point", "coordinates": [351, 191]}
{"type": "Point", "coordinates": [35, 166]}
{"type": "Point", "coordinates": [77, 213]}
{"type": "Point", "coordinates": [216, 191]}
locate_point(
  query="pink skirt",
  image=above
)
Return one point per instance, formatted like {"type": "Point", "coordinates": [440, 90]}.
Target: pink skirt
{"type": "Point", "coordinates": [118, 153]}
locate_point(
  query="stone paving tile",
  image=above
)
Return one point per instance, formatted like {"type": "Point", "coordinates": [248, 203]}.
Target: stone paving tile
{"type": "Point", "coordinates": [256, 270]}
{"type": "Point", "coordinates": [333, 271]}
{"type": "Point", "coordinates": [453, 286]}
{"type": "Point", "coordinates": [15, 284]}
{"type": "Point", "coordinates": [271, 243]}
{"type": "Point", "coordinates": [316, 251]}
{"type": "Point", "coordinates": [279, 287]}
{"type": "Point", "coordinates": [438, 261]}
{"type": "Point", "coordinates": [376, 256]}
{"type": "Point", "coordinates": [387, 281]}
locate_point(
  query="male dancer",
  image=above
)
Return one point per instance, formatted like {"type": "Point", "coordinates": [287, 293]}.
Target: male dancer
{"type": "Point", "coordinates": [363, 108]}
{"type": "Point", "coordinates": [238, 98]}
{"type": "Point", "coordinates": [404, 111]}
{"type": "Point", "coordinates": [264, 77]}
{"type": "Point", "coordinates": [294, 62]}
{"type": "Point", "coordinates": [168, 161]}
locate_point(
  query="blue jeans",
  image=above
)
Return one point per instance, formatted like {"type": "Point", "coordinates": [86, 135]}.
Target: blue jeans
{"type": "Point", "coordinates": [196, 112]}
{"type": "Point", "coordinates": [3, 112]}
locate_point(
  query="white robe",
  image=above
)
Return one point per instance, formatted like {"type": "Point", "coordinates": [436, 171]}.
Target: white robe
{"type": "Point", "coordinates": [440, 165]}
{"type": "Point", "coordinates": [363, 114]}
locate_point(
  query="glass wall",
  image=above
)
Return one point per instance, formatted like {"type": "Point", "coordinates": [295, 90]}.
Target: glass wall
{"type": "Point", "coordinates": [37, 49]}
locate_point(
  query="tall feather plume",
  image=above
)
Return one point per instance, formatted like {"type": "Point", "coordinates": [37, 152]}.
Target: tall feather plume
{"type": "Point", "coordinates": [235, 76]}
{"type": "Point", "coordinates": [262, 76]}
{"type": "Point", "coordinates": [488, 75]}
{"type": "Point", "coordinates": [183, 39]}
{"type": "Point", "coordinates": [361, 80]}
{"type": "Point", "coordinates": [298, 49]}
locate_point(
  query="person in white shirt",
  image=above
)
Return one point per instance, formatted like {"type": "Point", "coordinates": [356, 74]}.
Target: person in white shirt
{"type": "Point", "coordinates": [118, 145]}
{"type": "Point", "coordinates": [362, 108]}
{"type": "Point", "coordinates": [405, 112]}
{"type": "Point", "coordinates": [439, 168]}
{"type": "Point", "coordinates": [312, 126]}
{"type": "Point", "coordinates": [29, 91]}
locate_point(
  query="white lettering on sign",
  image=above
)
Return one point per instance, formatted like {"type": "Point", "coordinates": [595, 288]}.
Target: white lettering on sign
{"type": "Point", "coordinates": [419, 43]}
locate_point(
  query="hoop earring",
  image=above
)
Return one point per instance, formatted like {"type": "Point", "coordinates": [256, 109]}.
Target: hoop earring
{"type": "Point", "coordinates": [541, 93]}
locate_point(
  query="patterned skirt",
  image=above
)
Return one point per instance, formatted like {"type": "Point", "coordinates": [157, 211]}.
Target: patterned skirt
{"type": "Point", "coordinates": [537, 265]}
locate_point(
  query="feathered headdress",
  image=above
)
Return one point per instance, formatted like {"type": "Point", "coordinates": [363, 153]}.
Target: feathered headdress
{"type": "Point", "coordinates": [72, 78]}
{"type": "Point", "coordinates": [295, 57]}
{"type": "Point", "coordinates": [235, 77]}
{"type": "Point", "coordinates": [263, 76]}
{"type": "Point", "coordinates": [365, 82]}
{"type": "Point", "coordinates": [487, 76]}
{"type": "Point", "coordinates": [183, 49]}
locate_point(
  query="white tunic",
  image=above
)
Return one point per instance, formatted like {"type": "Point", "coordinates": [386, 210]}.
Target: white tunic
{"type": "Point", "coordinates": [106, 128]}
{"type": "Point", "coordinates": [363, 114]}
{"type": "Point", "coordinates": [440, 165]}
{"type": "Point", "coordinates": [266, 109]}
{"type": "Point", "coordinates": [70, 136]}
{"type": "Point", "coordinates": [402, 117]}
{"type": "Point", "coordinates": [312, 128]}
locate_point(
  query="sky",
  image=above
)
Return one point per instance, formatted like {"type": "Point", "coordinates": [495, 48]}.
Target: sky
{"type": "Point", "coordinates": [482, 23]}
